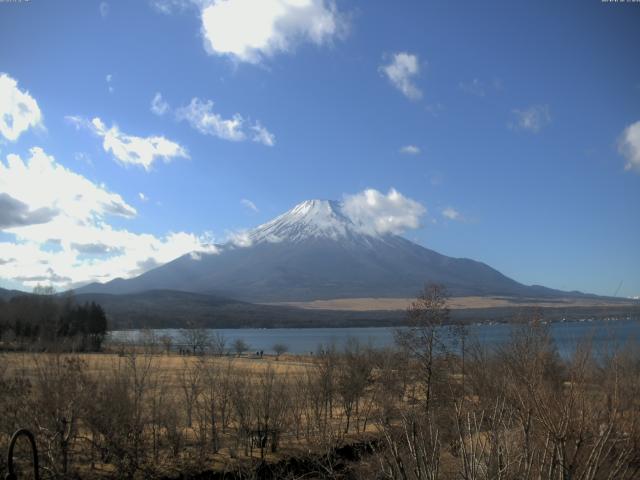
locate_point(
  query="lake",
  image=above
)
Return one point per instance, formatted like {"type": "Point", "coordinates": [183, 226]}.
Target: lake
{"type": "Point", "coordinates": [603, 334]}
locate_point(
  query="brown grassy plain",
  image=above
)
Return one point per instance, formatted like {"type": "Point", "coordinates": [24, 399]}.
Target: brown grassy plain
{"type": "Point", "coordinates": [454, 303]}
{"type": "Point", "coordinates": [519, 412]}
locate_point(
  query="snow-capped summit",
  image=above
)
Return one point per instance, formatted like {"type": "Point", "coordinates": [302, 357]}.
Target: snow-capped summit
{"type": "Point", "coordinates": [309, 219]}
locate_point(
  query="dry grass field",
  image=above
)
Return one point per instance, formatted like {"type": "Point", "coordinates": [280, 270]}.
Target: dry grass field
{"type": "Point", "coordinates": [454, 303]}
{"type": "Point", "coordinates": [518, 413]}
{"type": "Point", "coordinates": [169, 366]}
{"type": "Point", "coordinates": [179, 413]}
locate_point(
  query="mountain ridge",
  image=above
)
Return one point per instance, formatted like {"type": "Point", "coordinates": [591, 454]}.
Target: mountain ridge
{"type": "Point", "coordinates": [320, 249]}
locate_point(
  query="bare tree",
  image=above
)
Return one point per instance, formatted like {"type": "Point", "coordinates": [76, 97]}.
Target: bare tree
{"type": "Point", "coordinates": [56, 405]}
{"type": "Point", "coordinates": [240, 346]}
{"type": "Point", "coordinates": [327, 363]}
{"type": "Point", "coordinates": [211, 398]}
{"type": "Point", "coordinates": [149, 340]}
{"type": "Point", "coordinates": [197, 340]}
{"type": "Point", "coordinates": [167, 343]}
{"type": "Point", "coordinates": [190, 383]}
{"type": "Point", "coordinates": [116, 412]}
{"type": "Point", "coordinates": [412, 450]}
{"type": "Point", "coordinates": [268, 405]}
{"type": "Point", "coordinates": [279, 349]}
{"type": "Point", "coordinates": [353, 377]}
{"type": "Point", "coordinates": [423, 336]}
{"type": "Point", "coordinates": [218, 344]}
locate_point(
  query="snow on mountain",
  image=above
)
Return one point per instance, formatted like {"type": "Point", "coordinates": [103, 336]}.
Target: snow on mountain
{"type": "Point", "coordinates": [309, 219]}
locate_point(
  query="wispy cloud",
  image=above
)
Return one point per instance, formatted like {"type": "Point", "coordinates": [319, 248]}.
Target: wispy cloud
{"type": "Point", "coordinates": [629, 146]}
{"type": "Point", "coordinates": [131, 149]}
{"type": "Point", "coordinates": [531, 119]}
{"type": "Point", "coordinates": [262, 135]}
{"type": "Point", "coordinates": [402, 71]}
{"type": "Point", "coordinates": [170, 6]}
{"type": "Point", "coordinates": [410, 150]}
{"type": "Point", "coordinates": [480, 88]}
{"type": "Point", "coordinates": [200, 115]}
{"type": "Point", "coordinates": [473, 87]}
{"type": "Point", "coordinates": [158, 105]}
{"type": "Point", "coordinates": [434, 109]}
{"type": "Point", "coordinates": [104, 9]}
{"type": "Point", "coordinates": [83, 157]}
{"type": "Point", "coordinates": [18, 110]}
{"type": "Point", "coordinates": [109, 79]}
{"type": "Point", "coordinates": [249, 204]}
{"type": "Point", "coordinates": [451, 213]}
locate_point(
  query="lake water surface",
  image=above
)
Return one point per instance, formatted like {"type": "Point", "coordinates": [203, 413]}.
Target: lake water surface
{"type": "Point", "coordinates": [603, 335]}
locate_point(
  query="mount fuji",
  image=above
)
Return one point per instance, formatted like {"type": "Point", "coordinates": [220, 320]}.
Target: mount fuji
{"type": "Point", "coordinates": [320, 250]}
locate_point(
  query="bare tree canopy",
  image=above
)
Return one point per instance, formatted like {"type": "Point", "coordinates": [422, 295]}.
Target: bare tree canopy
{"type": "Point", "coordinates": [280, 348]}
{"type": "Point", "coordinates": [198, 340]}
{"type": "Point", "coordinates": [423, 336]}
{"type": "Point", "coordinates": [240, 346]}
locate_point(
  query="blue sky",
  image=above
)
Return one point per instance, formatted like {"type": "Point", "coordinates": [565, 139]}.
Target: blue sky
{"type": "Point", "coordinates": [514, 124]}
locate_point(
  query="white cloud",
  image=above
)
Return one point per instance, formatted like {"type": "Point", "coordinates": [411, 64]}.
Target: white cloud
{"type": "Point", "coordinates": [18, 110]}
{"type": "Point", "coordinates": [102, 254]}
{"type": "Point", "coordinates": [629, 146]}
{"type": "Point", "coordinates": [250, 30]}
{"type": "Point", "coordinates": [41, 182]}
{"type": "Point", "coordinates": [451, 213]}
{"type": "Point", "coordinates": [129, 149]}
{"type": "Point", "coordinates": [531, 119]}
{"type": "Point", "coordinates": [77, 121]}
{"type": "Point", "coordinates": [143, 197]}
{"type": "Point", "coordinates": [402, 71]}
{"type": "Point", "coordinates": [200, 115]}
{"type": "Point", "coordinates": [158, 105]}
{"type": "Point", "coordinates": [104, 9]}
{"type": "Point", "coordinates": [240, 238]}
{"type": "Point", "coordinates": [61, 231]}
{"type": "Point", "coordinates": [262, 135]}
{"type": "Point", "coordinates": [377, 213]}
{"type": "Point", "coordinates": [410, 150]}
{"type": "Point", "coordinates": [249, 204]}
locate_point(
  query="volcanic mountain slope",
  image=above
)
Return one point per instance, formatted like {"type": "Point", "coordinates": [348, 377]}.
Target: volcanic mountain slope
{"type": "Point", "coordinates": [316, 251]}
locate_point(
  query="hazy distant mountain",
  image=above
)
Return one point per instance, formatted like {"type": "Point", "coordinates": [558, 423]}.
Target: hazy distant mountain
{"type": "Point", "coordinates": [315, 251]}
{"type": "Point", "coordinates": [8, 294]}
